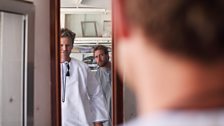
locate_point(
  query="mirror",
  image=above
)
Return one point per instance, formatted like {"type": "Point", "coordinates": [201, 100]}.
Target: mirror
{"type": "Point", "coordinates": [91, 21]}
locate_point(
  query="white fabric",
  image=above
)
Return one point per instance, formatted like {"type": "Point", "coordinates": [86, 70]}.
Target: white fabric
{"type": "Point", "coordinates": [182, 118]}
{"type": "Point", "coordinates": [103, 74]}
{"type": "Point", "coordinates": [84, 102]}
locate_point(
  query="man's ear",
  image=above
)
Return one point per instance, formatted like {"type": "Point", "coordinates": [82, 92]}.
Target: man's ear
{"type": "Point", "coordinates": [119, 22]}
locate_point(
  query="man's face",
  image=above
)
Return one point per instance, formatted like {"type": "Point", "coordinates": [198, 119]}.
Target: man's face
{"type": "Point", "coordinates": [65, 49]}
{"type": "Point", "coordinates": [101, 58]}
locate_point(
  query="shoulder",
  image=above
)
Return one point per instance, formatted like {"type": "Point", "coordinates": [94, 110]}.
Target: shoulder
{"type": "Point", "coordinates": [104, 70]}
{"type": "Point", "coordinates": [79, 64]}
{"type": "Point", "coordinates": [182, 118]}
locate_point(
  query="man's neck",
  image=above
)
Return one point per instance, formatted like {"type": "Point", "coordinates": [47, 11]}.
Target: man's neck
{"type": "Point", "coordinates": [181, 87]}
{"type": "Point", "coordinates": [107, 66]}
{"type": "Point", "coordinates": [66, 60]}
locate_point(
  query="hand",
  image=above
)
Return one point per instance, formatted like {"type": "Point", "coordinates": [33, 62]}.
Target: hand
{"type": "Point", "coordinates": [98, 124]}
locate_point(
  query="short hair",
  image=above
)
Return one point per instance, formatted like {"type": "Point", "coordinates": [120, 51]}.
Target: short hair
{"type": "Point", "coordinates": [68, 33]}
{"type": "Point", "coordinates": [193, 28]}
{"type": "Point", "coordinates": [101, 47]}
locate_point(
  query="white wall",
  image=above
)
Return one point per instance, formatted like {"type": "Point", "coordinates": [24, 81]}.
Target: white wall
{"type": "Point", "coordinates": [73, 20]}
{"type": "Point", "coordinates": [42, 101]}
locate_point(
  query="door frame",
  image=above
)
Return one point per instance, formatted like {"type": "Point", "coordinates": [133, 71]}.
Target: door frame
{"type": "Point", "coordinates": [55, 63]}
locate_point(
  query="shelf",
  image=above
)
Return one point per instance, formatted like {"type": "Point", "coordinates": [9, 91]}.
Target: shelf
{"type": "Point", "coordinates": [83, 10]}
{"type": "Point", "coordinates": [92, 40]}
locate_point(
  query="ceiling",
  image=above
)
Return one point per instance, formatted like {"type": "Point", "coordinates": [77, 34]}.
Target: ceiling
{"type": "Point", "coordinates": [103, 4]}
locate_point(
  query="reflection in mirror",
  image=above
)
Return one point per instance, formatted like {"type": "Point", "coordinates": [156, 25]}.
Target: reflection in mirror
{"type": "Point", "coordinates": [85, 53]}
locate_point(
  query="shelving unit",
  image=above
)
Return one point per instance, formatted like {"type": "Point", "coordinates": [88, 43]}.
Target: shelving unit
{"type": "Point", "coordinates": [72, 18]}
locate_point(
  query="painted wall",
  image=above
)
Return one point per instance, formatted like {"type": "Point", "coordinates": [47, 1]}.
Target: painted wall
{"type": "Point", "coordinates": [42, 111]}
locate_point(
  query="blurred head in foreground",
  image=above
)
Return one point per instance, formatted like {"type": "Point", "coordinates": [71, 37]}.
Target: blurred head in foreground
{"type": "Point", "coordinates": [172, 52]}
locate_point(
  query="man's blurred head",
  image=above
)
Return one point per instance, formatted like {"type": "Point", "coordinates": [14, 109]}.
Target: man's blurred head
{"type": "Point", "coordinates": [172, 50]}
{"type": "Point", "coordinates": [193, 28]}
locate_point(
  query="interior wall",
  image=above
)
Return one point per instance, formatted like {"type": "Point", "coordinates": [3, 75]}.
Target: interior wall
{"type": "Point", "coordinates": [42, 101]}
{"type": "Point", "coordinates": [74, 22]}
